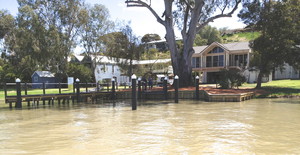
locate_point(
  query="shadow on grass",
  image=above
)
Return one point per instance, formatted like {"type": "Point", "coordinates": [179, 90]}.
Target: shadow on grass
{"type": "Point", "coordinates": [276, 92]}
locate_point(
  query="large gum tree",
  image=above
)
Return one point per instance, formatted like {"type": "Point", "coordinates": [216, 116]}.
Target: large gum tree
{"type": "Point", "coordinates": [190, 16]}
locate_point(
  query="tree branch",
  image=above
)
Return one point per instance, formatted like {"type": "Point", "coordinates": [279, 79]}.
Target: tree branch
{"type": "Point", "coordinates": [188, 4]}
{"type": "Point", "coordinates": [135, 3]}
{"type": "Point", "coordinates": [183, 32]}
{"type": "Point", "coordinates": [229, 14]}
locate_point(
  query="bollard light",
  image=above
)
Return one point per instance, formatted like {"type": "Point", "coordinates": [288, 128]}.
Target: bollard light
{"type": "Point", "coordinates": [197, 77]}
{"type": "Point", "coordinates": [18, 80]}
{"type": "Point", "coordinates": [133, 76]}
{"type": "Point", "coordinates": [176, 77]}
{"type": "Point", "coordinates": [139, 79]}
{"type": "Point", "coordinates": [113, 80]}
{"type": "Point", "coordinates": [77, 80]}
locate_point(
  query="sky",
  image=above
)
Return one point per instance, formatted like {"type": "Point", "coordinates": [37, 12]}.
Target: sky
{"type": "Point", "coordinates": [141, 19]}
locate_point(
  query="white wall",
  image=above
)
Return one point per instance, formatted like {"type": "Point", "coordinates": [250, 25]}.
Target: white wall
{"type": "Point", "coordinates": [108, 71]}
{"type": "Point", "coordinates": [287, 73]}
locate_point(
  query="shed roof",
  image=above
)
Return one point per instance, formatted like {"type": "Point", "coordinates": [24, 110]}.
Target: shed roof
{"type": "Point", "coordinates": [43, 74]}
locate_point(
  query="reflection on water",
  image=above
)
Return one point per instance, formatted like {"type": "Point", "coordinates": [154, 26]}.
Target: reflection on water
{"type": "Point", "coordinates": [267, 126]}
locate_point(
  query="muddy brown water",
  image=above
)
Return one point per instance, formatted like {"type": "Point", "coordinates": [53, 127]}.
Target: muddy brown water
{"type": "Point", "coordinates": [258, 126]}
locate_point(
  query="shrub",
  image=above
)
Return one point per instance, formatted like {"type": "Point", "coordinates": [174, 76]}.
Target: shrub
{"type": "Point", "coordinates": [232, 77]}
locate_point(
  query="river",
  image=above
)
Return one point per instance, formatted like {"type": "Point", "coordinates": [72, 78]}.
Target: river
{"type": "Point", "coordinates": [258, 126]}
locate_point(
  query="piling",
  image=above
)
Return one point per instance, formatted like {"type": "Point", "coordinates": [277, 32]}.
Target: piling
{"type": "Point", "coordinates": [176, 85]}
{"type": "Point", "coordinates": [197, 88]}
{"type": "Point", "coordinates": [165, 88]}
{"type": "Point", "coordinates": [44, 92]}
{"type": "Point", "coordinates": [139, 88]}
{"type": "Point", "coordinates": [77, 90]}
{"type": "Point", "coordinates": [133, 89]}
{"type": "Point", "coordinates": [113, 89]}
{"type": "Point", "coordinates": [19, 98]}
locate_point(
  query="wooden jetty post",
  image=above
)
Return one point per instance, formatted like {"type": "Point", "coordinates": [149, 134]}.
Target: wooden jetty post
{"type": "Point", "coordinates": [113, 89]}
{"type": "Point", "coordinates": [77, 90]}
{"type": "Point", "coordinates": [139, 88]}
{"type": "Point", "coordinates": [19, 98]}
{"type": "Point", "coordinates": [44, 92]}
{"type": "Point", "coordinates": [197, 88]}
{"type": "Point", "coordinates": [176, 85]}
{"type": "Point", "coordinates": [25, 89]}
{"type": "Point", "coordinates": [133, 89]}
{"type": "Point", "coordinates": [165, 88]}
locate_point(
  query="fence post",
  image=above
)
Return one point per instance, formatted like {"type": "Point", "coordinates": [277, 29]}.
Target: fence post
{"type": "Point", "coordinates": [139, 88]}
{"type": "Point", "coordinates": [176, 84]}
{"type": "Point", "coordinates": [165, 88]}
{"type": "Point", "coordinates": [19, 98]}
{"type": "Point", "coordinates": [197, 87]}
{"type": "Point", "coordinates": [113, 89]}
{"type": "Point", "coordinates": [77, 90]}
{"type": "Point", "coordinates": [133, 89]}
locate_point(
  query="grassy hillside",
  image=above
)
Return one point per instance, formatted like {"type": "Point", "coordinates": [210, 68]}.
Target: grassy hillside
{"type": "Point", "coordinates": [241, 36]}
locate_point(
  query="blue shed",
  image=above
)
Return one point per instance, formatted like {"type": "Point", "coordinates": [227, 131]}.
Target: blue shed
{"type": "Point", "coordinates": [41, 77]}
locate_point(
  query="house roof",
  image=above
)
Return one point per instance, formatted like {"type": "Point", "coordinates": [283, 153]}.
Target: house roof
{"type": "Point", "coordinates": [43, 74]}
{"type": "Point", "coordinates": [230, 46]}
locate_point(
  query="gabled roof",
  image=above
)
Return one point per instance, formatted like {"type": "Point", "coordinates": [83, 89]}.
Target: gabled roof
{"type": "Point", "coordinates": [43, 74]}
{"type": "Point", "coordinates": [230, 46]}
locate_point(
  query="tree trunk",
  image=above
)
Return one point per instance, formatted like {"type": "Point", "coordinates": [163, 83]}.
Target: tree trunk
{"type": "Point", "coordinates": [259, 80]}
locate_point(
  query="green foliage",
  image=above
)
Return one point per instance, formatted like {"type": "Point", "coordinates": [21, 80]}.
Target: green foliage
{"type": "Point", "coordinates": [150, 37]}
{"type": "Point", "coordinates": [152, 54]}
{"type": "Point", "coordinates": [6, 23]}
{"type": "Point", "coordinates": [232, 77]}
{"type": "Point", "coordinates": [80, 71]}
{"type": "Point", "coordinates": [123, 44]}
{"type": "Point", "coordinates": [207, 35]}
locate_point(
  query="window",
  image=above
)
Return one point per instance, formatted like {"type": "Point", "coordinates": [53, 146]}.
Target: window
{"type": "Point", "coordinates": [216, 50]}
{"type": "Point", "coordinates": [215, 61]}
{"type": "Point", "coordinates": [36, 79]}
{"type": "Point", "coordinates": [196, 62]}
{"type": "Point", "coordinates": [239, 60]}
{"type": "Point", "coordinates": [208, 61]}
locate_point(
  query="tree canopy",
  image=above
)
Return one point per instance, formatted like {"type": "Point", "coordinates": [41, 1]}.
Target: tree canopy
{"type": "Point", "coordinates": [150, 37]}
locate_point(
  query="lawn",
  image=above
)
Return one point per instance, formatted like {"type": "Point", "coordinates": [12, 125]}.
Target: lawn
{"type": "Point", "coordinates": [279, 88]}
